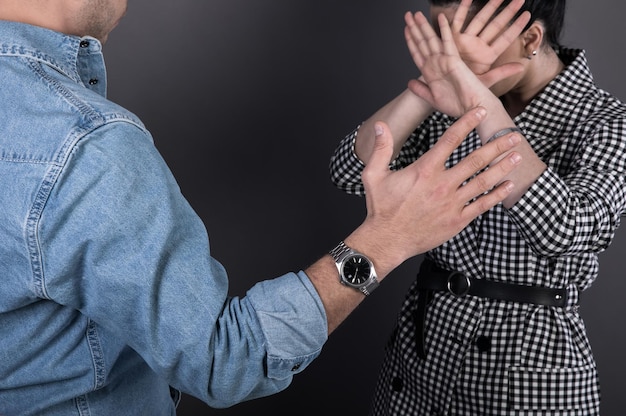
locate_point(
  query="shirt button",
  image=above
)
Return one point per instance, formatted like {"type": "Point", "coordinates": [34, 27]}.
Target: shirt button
{"type": "Point", "coordinates": [483, 343]}
{"type": "Point", "coordinates": [84, 44]}
{"type": "Point", "coordinates": [296, 367]}
{"type": "Point", "coordinates": [93, 81]}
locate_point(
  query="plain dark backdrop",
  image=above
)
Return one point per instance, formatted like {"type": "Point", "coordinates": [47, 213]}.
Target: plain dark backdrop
{"type": "Point", "coordinates": [247, 100]}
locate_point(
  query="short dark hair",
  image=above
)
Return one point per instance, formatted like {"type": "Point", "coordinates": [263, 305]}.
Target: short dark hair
{"type": "Point", "coordinates": [550, 12]}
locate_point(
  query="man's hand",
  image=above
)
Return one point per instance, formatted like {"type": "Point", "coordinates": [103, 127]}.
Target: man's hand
{"type": "Point", "coordinates": [421, 206]}
{"type": "Point", "coordinates": [415, 209]}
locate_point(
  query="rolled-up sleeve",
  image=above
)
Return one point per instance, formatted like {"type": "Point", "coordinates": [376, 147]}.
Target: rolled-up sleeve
{"type": "Point", "coordinates": [293, 321]}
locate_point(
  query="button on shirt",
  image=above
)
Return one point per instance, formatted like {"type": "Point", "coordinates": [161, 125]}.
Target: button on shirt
{"type": "Point", "coordinates": [109, 294]}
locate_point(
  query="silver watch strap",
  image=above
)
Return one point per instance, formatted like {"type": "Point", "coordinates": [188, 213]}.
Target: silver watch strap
{"type": "Point", "coordinates": [339, 251]}
{"type": "Point", "coordinates": [369, 288]}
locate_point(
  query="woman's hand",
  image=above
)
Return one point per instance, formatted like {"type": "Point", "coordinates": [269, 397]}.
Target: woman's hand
{"type": "Point", "coordinates": [484, 38]}
{"type": "Point", "coordinates": [447, 83]}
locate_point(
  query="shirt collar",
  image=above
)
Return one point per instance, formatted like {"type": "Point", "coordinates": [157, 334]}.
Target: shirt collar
{"type": "Point", "coordinates": [78, 58]}
{"type": "Point", "coordinates": [552, 110]}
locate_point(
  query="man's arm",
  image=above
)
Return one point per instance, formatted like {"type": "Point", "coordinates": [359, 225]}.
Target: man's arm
{"type": "Point", "coordinates": [417, 208]}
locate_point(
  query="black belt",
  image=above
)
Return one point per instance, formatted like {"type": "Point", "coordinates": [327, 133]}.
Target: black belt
{"type": "Point", "coordinates": [432, 278]}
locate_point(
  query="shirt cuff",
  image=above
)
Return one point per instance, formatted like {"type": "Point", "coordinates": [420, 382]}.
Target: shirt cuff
{"type": "Point", "coordinates": [293, 321]}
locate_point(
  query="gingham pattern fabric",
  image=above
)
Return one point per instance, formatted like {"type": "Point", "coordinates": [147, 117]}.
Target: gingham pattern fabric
{"type": "Point", "coordinates": [489, 357]}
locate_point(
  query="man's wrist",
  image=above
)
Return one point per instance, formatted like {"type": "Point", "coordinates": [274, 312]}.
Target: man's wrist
{"type": "Point", "coordinates": [378, 248]}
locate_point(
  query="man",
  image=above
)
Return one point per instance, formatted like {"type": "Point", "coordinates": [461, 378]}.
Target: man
{"type": "Point", "coordinates": [109, 294]}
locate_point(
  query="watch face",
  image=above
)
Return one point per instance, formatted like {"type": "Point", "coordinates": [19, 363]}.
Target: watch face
{"type": "Point", "coordinates": [356, 270]}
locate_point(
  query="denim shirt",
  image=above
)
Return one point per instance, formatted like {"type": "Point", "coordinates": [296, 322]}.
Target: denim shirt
{"type": "Point", "coordinates": [108, 293]}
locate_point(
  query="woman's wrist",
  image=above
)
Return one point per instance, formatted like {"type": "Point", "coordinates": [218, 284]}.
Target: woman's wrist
{"type": "Point", "coordinates": [497, 123]}
{"type": "Point", "coordinates": [503, 132]}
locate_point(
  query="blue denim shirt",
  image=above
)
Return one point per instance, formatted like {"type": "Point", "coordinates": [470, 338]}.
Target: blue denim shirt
{"type": "Point", "coordinates": [108, 292]}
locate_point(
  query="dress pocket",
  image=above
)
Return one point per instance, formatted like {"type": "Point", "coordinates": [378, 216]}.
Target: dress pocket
{"type": "Point", "coordinates": [555, 389]}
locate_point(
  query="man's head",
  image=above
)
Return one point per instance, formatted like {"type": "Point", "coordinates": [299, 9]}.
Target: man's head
{"type": "Point", "coordinates": [95, 18]}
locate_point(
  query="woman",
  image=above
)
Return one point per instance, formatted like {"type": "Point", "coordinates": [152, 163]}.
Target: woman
{"type": "Point", "coordinates": [491, 324]}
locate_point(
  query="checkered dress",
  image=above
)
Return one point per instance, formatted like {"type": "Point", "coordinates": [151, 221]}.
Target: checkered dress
{"type": "Point", "coordinates": [491, 357]}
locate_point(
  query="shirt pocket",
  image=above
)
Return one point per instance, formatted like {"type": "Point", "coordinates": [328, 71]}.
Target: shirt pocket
{"type": "Point", "coordinates": [554, 389]}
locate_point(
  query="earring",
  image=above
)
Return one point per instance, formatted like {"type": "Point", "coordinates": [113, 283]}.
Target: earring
{"type": "Point", "coordinates": [529, 57]}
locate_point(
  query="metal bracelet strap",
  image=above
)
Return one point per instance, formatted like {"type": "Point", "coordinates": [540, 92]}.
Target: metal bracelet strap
{"type": "Point", "coordinates": [339, 251]}
{"type": "Point", "coordinates": [503, 132]}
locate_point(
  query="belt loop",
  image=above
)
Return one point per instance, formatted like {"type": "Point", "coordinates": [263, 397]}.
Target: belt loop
{"type": "Point", "coordinates": [573, 296]}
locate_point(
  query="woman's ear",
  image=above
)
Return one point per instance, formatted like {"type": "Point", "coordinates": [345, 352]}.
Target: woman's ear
{"type": "Point", "coordinates": [533, 39]}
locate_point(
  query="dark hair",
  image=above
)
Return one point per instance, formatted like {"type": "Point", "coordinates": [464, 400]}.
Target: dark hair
{"type": "Point", "coordinates": [550, 12]}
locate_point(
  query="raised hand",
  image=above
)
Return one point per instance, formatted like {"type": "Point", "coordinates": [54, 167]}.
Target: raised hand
{"type": "Point", "coordinates": [487, 35]}
{"type": "Point", "coordinates": [447, 83]}
{"type": "Point", "coordinates": [423, 205]}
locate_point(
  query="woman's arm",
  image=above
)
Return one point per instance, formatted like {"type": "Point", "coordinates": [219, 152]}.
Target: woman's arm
{"type": "Point", "coordinates": [451, 87]}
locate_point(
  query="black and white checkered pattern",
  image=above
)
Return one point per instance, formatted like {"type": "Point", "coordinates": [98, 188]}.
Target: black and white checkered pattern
{"type": "Point", "coordinates": [489, 357]}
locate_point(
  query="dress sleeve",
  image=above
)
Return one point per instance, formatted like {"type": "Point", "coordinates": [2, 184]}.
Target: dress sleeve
{"type": "Point", "coordinates": [576, 206]}
{"type": "Point", "coordinates": [346, 167]}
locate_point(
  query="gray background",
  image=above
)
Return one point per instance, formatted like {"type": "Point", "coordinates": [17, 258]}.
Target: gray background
{"type": "Point", "coordinates": [247, 101]}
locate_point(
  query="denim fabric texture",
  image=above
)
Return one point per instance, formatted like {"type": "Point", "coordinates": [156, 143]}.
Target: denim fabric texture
{"type": "Point", "coordinates": [108, 293]}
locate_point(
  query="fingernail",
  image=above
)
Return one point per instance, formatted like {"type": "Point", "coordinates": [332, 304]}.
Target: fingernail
{"type": "Point", "coordinates": [509, 186]}
{"type": "Point", "coordinates": [379, 129]}
{"type": "Point", "coordinates": [516, 158]}
{"type": "Point", "coordinates": [515, 138]}
{"type": "Point", "coordinates": [481, 112]}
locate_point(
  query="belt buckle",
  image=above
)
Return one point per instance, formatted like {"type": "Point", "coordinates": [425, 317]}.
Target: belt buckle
{"type": "Point", "coordinates": [458, 284]}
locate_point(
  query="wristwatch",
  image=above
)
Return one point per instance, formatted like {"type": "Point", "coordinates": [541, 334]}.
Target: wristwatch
{"type": "Point", "coordinates": [355, 269]}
